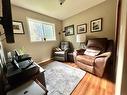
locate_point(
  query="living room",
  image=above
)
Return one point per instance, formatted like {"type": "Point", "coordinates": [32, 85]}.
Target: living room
{"type": "Point", "coordinates": [77, 25]}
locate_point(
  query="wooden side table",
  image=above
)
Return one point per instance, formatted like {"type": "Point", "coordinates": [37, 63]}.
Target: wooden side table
{"type": "Point", "coordinates": [70, 57]}
{"type": "Point", "coordinates": [40, 76]}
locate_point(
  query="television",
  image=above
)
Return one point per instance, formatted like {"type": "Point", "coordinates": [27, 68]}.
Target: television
{"type": "Point", "coordinates": [6, 21]}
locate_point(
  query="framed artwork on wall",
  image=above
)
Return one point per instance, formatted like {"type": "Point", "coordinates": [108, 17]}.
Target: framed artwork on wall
{"type": "Point", "coordinates": [18, 27]}
{"type": "Point", "coordinates": [82, 28]}
{"type": "Point", "coordinates": [69, 30]}
{"type": "Point", "coordinates": [96, 25]}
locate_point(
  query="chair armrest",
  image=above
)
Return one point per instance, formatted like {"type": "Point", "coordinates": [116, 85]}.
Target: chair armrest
{"type": "Point", "coordinates": [100, 63]}
{"type": "Point", "coordinates": [106, 54]}
{"type": "Point", "coordinates": [78, 52]}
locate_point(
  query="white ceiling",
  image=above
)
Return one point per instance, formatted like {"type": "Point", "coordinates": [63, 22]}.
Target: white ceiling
{"type": "Point", "coordinates": [54, 9]}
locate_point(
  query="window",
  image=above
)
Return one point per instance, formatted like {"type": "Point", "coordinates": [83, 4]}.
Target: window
{"type": "Point", "coordinates": [41, 31]}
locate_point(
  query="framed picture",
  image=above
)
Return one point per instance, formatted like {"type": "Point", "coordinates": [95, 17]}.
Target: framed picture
{"type": "Point", "coordinates": [96, 25]}
{"type": "Point", "coordinates": [81, 28]}
{"type": "Point", "coordinates": [18, 27]}
{"type": "Point", "coordinates": [69, 30]}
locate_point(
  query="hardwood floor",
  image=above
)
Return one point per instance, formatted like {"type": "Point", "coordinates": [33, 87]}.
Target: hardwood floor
{"type": "Point", "coordinates": [93, 85]}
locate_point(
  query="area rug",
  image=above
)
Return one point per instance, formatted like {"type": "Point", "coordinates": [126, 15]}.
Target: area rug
{"type": "Point", "coordinates": [61, 79]}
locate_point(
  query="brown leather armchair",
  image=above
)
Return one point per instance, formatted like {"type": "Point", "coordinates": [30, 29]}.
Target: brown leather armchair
{"type": "Point", "coordinates": [60, 53]}
{"type": "Point", "coordinates": [91, 61]}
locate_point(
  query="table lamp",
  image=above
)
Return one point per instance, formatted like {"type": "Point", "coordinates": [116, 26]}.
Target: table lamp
{"type": "Point", "coordinates": [81, 38]}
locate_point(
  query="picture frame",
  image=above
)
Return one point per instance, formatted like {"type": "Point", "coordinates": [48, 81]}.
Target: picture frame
{"type": "Point", "coordinates": [82, 28]}
{"type": "Point", "coordinates": [96, 25]}
{"type": "Point", "coordinates": [18, 27]}
{"type": "Point", "coordinates": [69, 30]}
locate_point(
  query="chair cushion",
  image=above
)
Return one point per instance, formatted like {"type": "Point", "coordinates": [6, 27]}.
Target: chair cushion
{"type": "Point", "coordinates": [89, 60]}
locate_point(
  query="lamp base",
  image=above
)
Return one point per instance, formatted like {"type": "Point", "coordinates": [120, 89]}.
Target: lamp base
{"type": "Point", "coordinates": [82, 45]}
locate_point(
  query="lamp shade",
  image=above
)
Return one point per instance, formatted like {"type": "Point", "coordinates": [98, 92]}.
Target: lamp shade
{"type": "Point", "coordinates": [81, 38]}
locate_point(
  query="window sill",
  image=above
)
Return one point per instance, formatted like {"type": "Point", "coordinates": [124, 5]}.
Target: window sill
{"type": "Point", "coordinates": [43, 41]}
{"type": "Point", "coordinates": [50, 41]}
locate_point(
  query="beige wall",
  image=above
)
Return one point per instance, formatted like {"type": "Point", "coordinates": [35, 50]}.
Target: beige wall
{"type": "Point", "coordinates": [106, 10]}
{"type": "Point", "coordinates": [40, 51]}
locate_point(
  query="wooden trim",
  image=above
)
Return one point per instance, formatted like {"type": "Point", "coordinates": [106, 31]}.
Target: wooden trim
{"type": "Point", "coordinates": [116, 40]}
{"type": "Point", "coordinates": [45, 62]}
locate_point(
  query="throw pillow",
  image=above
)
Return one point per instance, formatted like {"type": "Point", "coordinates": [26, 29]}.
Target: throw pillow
{"type": "Point", "coordinates": [91, 52]}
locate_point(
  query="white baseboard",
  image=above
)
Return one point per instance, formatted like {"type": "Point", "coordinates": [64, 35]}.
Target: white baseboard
{"type": "Point", "coordinates": [45, 60]}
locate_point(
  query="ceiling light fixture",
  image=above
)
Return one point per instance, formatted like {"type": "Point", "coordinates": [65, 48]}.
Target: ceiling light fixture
{"type": "Point", "coordinates": [61, 2]}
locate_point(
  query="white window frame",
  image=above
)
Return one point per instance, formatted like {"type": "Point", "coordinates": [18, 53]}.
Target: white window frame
{"type": "Point", "coordinates": [43, 22]}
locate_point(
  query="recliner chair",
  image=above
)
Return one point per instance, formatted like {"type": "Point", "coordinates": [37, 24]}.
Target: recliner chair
{"type": "Point", "coordinates": [95, 57]}
{"type": "Point", "coordinates": [60, 53]}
